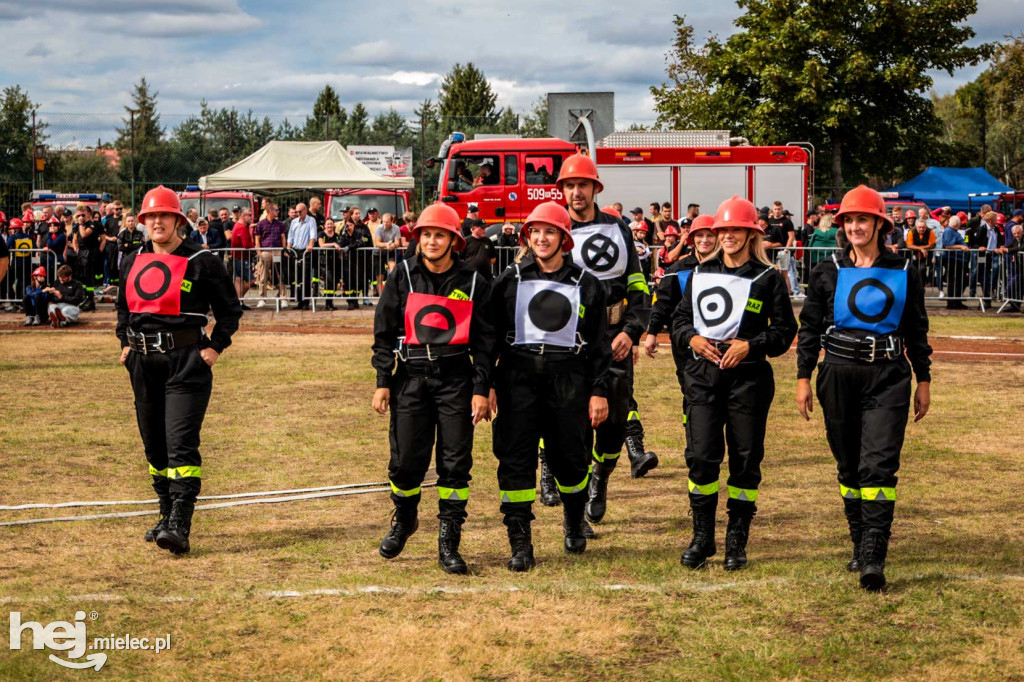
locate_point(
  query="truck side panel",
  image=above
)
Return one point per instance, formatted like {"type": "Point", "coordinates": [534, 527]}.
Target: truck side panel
{"type": "Point", "coordinates": [635, 186]}
{"type": "Point", "coordinates": [710, 185]}
{"type": "Point", "coordinates": [781, 182]}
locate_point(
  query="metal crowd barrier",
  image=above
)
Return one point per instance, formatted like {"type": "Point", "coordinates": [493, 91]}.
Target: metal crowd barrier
{"type": "Point", "coordinates": [323, 276]}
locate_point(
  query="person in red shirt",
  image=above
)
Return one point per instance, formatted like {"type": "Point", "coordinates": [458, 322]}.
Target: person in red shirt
{"type": "Point", "coordinates": [242, 254]}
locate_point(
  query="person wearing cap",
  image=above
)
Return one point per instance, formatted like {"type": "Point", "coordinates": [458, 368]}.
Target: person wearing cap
{"type": "Point", "coordinates": [734, 313]}
{"type": "Point", "coordinates": [603, 246]}
{"type": "Point", "coordinates": [433, 317]}
{"type": "Point", "coordinates": [865, 307]}
{"type": "Point", "coordinates": [643, 251]}
{"type": "Point", "coordinates": [169, 286]}
{"type": "Point", "coordinates": [638, 217]}
{"type": "Point", "coordinates": [668, 292]}
{"type": "Point", "coordinates": [472, 215]}
{"type": "Point", "coordinates": [480, 252]}
{"type": "Point", "coordinates": [551, 378]}
{"type": "Point", "coordinates": [34, 301]}
{"type": "Point", "coordinates": [671, 246]}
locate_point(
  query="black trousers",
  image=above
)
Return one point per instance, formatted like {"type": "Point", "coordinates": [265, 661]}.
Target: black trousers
{"type": "Point", "coordinates": [537, 400]}
{"type": "Point", "coordinates": [90, 268]}
{"type": "Point", "coordinates": [110, 262]}
{"type": "Point", "coordinates": [737, 401]}
{"type": "Point", "coordinates": [432, 402]}
{"type": "Point", "coordinates": [172, 391]}
{"type": "Point", "coordinates": [35, 305]}
{"type": "Point", "coordinates": [865, 409]}
{"type": "Point", "coordinates": [610, 436]}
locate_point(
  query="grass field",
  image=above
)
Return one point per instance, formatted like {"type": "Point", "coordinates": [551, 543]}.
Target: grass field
{"type": "Point", "coordinates": [292, 411]}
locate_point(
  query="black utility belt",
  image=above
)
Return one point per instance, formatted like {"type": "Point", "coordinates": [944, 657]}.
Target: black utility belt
{"type": "Point", "coordinates": [866, 349]}
{"type": "Point", "coordinates": [163, 341]}
{"type": "Point", "coordinates": [429, 353]}
{"type": "Point", "coordinates": [547, 349]}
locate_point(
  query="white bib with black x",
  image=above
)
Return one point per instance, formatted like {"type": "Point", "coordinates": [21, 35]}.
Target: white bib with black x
{"type": "Point", "coordinates": [600, 250]}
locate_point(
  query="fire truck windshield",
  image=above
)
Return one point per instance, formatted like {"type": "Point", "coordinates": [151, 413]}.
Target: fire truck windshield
{"type": "Point", "coordinates": [385, 203]}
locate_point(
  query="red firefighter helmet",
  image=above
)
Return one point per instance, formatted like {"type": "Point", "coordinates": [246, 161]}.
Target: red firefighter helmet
{"type": "Point", "coordinates": [671, 231]}
{"type": "Point", "coordinates": [579, 166]}
{"type": "Point", "coordinates": [3, 218]}
{"type": "Point", "coordinates": [161, 200]}
{"type": "Point", "coordinates": [39, 272]}
{"type": "Point", "coordinates": [737, 212]}
{"type": "Point", "coordinates": [863, 199]}
{"type": "Point", "coordinates": [17, 224]}
{"type": "Point", "coordinates": [444, 217]}
{"type": "Point", "coordinates": [611, 210]}
{"type": "Point", "coordinates": [551, 214]}
{"type": "Point", "coordinates": [28, 216]}
{"type": "Point", "coordinates": [701, 222]}
{"type": "Point", "coordinates": [640, 226]}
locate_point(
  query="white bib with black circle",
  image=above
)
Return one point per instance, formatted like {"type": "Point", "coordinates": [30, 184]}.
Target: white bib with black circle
{"type": "Point", "coordinates": [547, 313]}
{"type": "Point", "coordinates": [718, 304]}
{"type": "Point", "coordinates": [600, 250]}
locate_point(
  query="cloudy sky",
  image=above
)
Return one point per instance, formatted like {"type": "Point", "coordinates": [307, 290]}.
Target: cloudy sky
{"type": "Point", "coordinates": [83, 56]}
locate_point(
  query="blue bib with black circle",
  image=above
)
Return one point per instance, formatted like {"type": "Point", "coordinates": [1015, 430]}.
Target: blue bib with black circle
{"type": "Point", "coordinates": [870, 299]}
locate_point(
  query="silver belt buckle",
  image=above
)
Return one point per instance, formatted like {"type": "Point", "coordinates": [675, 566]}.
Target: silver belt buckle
{"type": "Point", "coordinates": [874, 347]}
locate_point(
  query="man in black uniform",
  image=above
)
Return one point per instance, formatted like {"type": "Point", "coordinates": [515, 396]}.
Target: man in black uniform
{"type": "Point", "coordinates": [111, 228]}
{"type": "Point", "coordinates": [89, 261]}
{"type": "Point", "coordinates": [480, 252]}
{"type": "Point", "coordinates": [472, 215]}
{"type": "Point", "coordinates": [169, 286]}
{"type": "Point", "coordinates": [604, 247]}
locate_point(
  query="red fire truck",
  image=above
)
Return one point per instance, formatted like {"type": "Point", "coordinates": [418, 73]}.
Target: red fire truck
{"type": "Point", "coordinates": [204, 201]}
{"type": "Point", "coordinates": [507, 177]}
{"type": "Point", "coordinates": [337, 201]}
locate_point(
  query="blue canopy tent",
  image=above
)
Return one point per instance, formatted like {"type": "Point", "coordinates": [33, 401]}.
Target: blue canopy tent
{"type": "Point", "coordinates": [950, 187]}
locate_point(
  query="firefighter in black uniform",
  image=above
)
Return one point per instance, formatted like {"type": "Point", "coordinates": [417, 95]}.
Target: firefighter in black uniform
{"type": "Point", "coordinates": [866, 308]}
{"type": "Point", "coordinates": [733, 314]}
{"type": "Point", "coordinates": [89, 260]}
{"type": "Point", "coordinates": [703, 240]}
{"type": "Point", "coordinates": [432, 315]}
{"type": "Point", "coordinates": [551, 377]}
{"type": "Point", "coordinates": [168, 286]}
{"type": "Point", "coordinates": [603, 246]}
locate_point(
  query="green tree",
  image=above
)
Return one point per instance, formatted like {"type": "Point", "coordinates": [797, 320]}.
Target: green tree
{"type": "Point", "coordinates": [535, 121]}
{"type": "Point", "coordinates": [389, 128]}
{"type": "Point", "coordinates": [141, 141]}
{"type": "Point", "coordinates": [357, 129]}
{"type": "Point", "coordinates": [83, 170]}
{"type": "Point", "coordinates": [466, 99]}
{"type": "Point", "coordinates": [842, 75]}
{"type": "Point", "coordinates": [16, 147]}
{"type": "Point", "coordinates": [329, 117]}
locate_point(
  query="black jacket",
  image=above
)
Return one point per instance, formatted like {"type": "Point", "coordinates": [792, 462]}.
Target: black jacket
{"type": "Point", "coordinates": [129, 240]}
{"type": "Point", "coordinates": [667, 295]}
{"type": "Point", "coordinates": [72, 293]}
{"type": "Point", "coordinates": [592, 327]}
{"type": "Point", "coordinates": [207, 286]}
{"type": "Point", "coordinates": [770, 331]}
{"type": "Point", "coordinates": [818, 314]}
{"type": "Point", "coordinates": [630, 286]}
{"type": "Point", "coordinates": [359, 238]}
{"type": "Point", "coordinates": [389, 318]}
{"type": "Point", "coordinates": [507, 240]}
{"type": "Point", "coordinates": [214, 238]}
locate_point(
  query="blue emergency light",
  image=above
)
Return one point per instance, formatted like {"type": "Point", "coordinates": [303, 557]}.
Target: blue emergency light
{"type": "Point", "coordinates": [458, 137]}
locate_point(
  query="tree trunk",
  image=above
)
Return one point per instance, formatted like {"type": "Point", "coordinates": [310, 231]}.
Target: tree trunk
{"type": "Point", "coordinates": [837, 167]}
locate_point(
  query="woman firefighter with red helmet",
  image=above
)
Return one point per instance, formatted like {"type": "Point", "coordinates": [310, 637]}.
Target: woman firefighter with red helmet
{"type": "Point", "coordinates": [551, 378]}
{"type": "Point", "coordinates": [702, 239]}
{"type": "Point", "coordinates": [168, 287]}
{"type": "Point", "coordinates": [733, 314]}
{"type": "Point", "coordinates": [433, 317]}
{"type": "Point", "coordinates": [865, 307]}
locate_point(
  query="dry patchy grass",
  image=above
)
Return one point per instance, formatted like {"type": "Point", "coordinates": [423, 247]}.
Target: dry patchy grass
{"type": "Point", "coordinates": [293, 411]}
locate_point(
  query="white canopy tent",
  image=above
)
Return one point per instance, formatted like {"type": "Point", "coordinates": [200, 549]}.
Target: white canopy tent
{"type": "Point", "coordinates": [283, 165]}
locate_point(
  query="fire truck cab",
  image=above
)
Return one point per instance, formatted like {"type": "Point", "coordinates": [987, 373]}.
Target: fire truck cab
{"type": "Point", "coordinates": [204, 201]}
{"type": "Point", "coordinates": [505, 177]}
{"type": "Point", "coordinates": [338, 201]}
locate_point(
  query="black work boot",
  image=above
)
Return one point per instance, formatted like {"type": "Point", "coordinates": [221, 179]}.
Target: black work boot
{"type": "Point", "coordinates": [853, 520]}
{"type": "Point", "coordinates": [736, 534]}
{"type": "Point", "coordinates": [404, 522]}
{"type": "Point", "coordinates": [702, 545]}
{"type": "Point", "coordinates": [448, 536]}
{"type": "Point", "coordinates": [588, 530]}
{"type": "Point", "coordinates": [548, 488]}
{"type": "Point", "coordinates": [597, 491]}
{"type": "Point", "coordinates": [873, 548]}
{"type": "Point", "coordinates": [640, 462]}
{"type": "Point", "coordinates": [165, 512]}
{"type": "Point", "coordinates": [572, 515]}
{"type": "Point", "coordinates": [521, 541]}
{"type": "Point", "coordinates": [174, 537]}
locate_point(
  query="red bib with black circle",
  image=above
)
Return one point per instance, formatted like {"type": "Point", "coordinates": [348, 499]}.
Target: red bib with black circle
{"type": "Point", "coordinates": [436, 320]}
{"type": "Point", "coordinates": [154, 284]}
